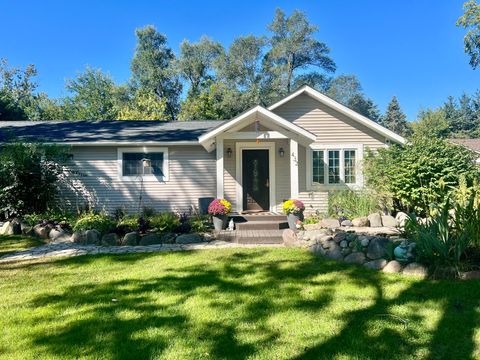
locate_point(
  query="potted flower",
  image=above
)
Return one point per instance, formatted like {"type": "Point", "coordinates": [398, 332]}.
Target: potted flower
{"type": "Point", "coordinates": [219, 209]}
{"type": "Point", "coordinates": [294, 210]}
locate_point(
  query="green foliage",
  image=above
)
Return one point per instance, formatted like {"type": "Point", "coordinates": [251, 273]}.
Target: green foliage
{"type": "Point", "coordinates": [30, 176]}
{"type": "Point", "coordinates": [200, 223]}
{"type": "Point", "coordinates": [100, 222]}
{"type": "Point", "coordinates": [144, 105]}
{"type": "Point", "coordinates": [164, 222]}
{"type": "Point", "coordinates": [52, 216]}
{"type": "Point", "coordinates": [419, 173]}
{"type": "Point", "coordinates": [470, 20]}
{"type": "Point", "coordinates": [430, 123]}
{"type": "Point", "coordinates": [353, 203]}
{"type": "Point", "coordinates": [394, 119]}
{"type": "Point", "coordinates": [130, 222]}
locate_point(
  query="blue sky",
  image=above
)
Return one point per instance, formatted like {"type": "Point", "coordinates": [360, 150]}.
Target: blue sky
{"type": "Point", "coordinates": [408, 48]}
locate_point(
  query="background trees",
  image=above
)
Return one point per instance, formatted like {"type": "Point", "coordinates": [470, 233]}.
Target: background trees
{"type": "Point", "coordinates": [470, 20]}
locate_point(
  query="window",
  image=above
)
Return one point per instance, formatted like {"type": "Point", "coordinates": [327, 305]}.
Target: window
{"type": "Point", "coordinates": [148, 163]}
{"type": "Point", "coordinates": [334, 165]}
{"type": "Point", "coordinates": [349, 165]}
{"type": "Point", "coordinates": [318, 167]}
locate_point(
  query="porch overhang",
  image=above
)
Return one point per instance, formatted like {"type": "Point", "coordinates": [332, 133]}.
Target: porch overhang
{"type": "Point", "coordinates": [280, 127]}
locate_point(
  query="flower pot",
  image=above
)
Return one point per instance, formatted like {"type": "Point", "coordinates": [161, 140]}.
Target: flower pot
{"type": "Point", "coordinates": [293, 219]}
{"type": "Point", "coordinates": [220, 222]}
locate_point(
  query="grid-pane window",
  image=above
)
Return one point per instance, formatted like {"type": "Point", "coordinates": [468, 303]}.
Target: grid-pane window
{"type": "Point", "coordinates": [334, 167]}
{"type": "Point", "coordinates": [318, 167]}
{"type": "Point", "coordinates": [136, 164]}
{"type": "Point", "coordinates": [349, 156]}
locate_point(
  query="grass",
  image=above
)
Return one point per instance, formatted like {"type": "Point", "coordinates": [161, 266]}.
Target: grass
{"type": "Point", "coordinates": [12, 243]}
{"type": "Point", "coordinates": [230, 304]}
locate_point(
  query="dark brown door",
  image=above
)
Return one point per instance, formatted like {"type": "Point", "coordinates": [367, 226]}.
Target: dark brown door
{"type": "Point", "coordinates": [255, 180]}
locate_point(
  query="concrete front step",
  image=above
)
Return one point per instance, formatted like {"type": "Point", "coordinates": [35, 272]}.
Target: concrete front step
{"type": "Point", "coordinates": [259, 217]}
{"type": "Point", "coordinates": [261, 225]}
{"type": "Point", "coordinates": [251, 236]}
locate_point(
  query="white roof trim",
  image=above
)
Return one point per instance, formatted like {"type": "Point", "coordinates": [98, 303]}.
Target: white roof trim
{"type": "Point", "coordinates": [257, 109]}
{"type": "Point", "coordinates": [342, 109]}
{"type": "Point", "coordinates": [124, 143]}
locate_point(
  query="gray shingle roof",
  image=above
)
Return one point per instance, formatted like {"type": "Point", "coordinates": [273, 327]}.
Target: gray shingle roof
{"type": "Point", "coordinates": [117, 131]}
{"type": "Point", "coordinates": [472, 144]}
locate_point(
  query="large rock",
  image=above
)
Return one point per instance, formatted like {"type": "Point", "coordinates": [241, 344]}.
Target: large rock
{"type": "Point", "coordinates": [415, 269]}
{"type": "Point", "coordinates": [130, 239]}
{"type": "Point", "coordinates": [90, 237]}
{"type": "Point", "coordinates": [355, 258]}
{"type": "Point", "coordinates": [42, 231]}
{"type": "Point", "coordinates": [168, 238]}
{"type": "Point", "coordinates": [361, 222]}
{"type": "Point", "coordinates": [317, 249]}
{"type": "Point", "coordinates": [389, 221]}
{"type": "Point", "coordinates": [401, 218]}
{"type": "Point", "coordinates": [188, 239]}
{"type": "Point", "coordinates": [392, 267]}
{"type": "Point", "coordinates": [375, 220]}
{"type": "Point", "coordinates": [330, 223]}
{"type": "Point", "coordinates": [378, 248]}
{"type": "Point", "coordinates": [332, 250]}
{"type": "Point", "coordinates": [340, 236]}
{"type": "Point", "coordinates": [378, 264]}
{"type": "Point", "coordinates": [364, 240]}
{"type": "Point", "coordinates": [6, 229]}
{"type": "Point", "coordinates": [289, 237]}
{"type": "Point", "coordinates": [150, 239]}
{"type": "Point", "coordinates": [347, 223]}
{"type": "Point", "coordinates": [309, 227]}
{"type": "Point", "coordinates": [59, 235]}
{"type": "Point", "coordinates": [110, 239]}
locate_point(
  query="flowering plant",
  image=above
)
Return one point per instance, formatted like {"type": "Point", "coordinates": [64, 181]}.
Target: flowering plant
{"type": "Point", "coordinates": [293, 206]}
{"type": "Point", "coordinates": [219, 207]}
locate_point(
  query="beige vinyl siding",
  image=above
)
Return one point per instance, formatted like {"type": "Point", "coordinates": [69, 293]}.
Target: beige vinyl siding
{"type": "Point", "coordinates": [97, 182]}
{"type": "Point", "coordinates": [282, 172]}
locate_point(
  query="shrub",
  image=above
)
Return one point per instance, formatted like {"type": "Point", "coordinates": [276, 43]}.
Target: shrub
{"type": "Point", "coordinates": [100, 222]}
{"type": "Point", "coordinates": [219, 207]}
{"type": "Point", "coordinates": [30, 176]}
{"type": "Point", "coordinates": [352, 203]}
{"type": "Point", "coordinates": [52, 218]}
{"type": "Point", "coordinates": [419, 173]}
{"type": "Point", "coordinates": [293, 206]}
{"type": "Point", "coordinates": [200, 223]}
{"type": "Point", "coordinates": [164, 222]}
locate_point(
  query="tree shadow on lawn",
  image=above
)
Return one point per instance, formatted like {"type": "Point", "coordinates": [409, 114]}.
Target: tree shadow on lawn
{"type": "Point", "coordinates": [234, 308]}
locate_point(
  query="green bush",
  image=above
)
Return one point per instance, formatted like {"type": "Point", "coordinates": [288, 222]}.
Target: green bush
{"type": "Point", "coordinates": [30, 175]}
{"type": "Point", "coordinates": [164, 222]}
{"type": "Point", "coordinates": [200, 223]}
{"type": "Point", "coordinates": [49, 216]}
{"type": "Point", "coordinates": [100, 222]}
{"type": "Point", "coordinates": [420, 173]}
{"type": "Point", "coordinates": [352, 203]}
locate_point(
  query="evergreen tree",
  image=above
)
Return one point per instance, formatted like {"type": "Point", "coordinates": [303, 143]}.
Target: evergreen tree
{"type": "Point", "coordinates": [394, 118]}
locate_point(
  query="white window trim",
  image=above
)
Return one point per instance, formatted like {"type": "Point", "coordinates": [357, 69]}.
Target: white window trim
{"type": "Point", "coordinates": [145, 150]}
{"type": "Point", "coordinates": [340, 147]}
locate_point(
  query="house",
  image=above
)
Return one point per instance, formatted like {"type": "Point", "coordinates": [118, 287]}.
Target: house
{"type": "Point", "coordinates": [471, 144]}
{"type": "Point", "coordinates": [302, 146]}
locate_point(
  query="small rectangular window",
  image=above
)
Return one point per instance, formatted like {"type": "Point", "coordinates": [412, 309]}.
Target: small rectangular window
{"type": "Point", "coordinates": [136, 164]}
{"type": "Point", "coordinates": [349, 164]}
{"type": "Point", "coordinates": [334, 167]}
{"type": "Point", "coordinates": [318, 167]}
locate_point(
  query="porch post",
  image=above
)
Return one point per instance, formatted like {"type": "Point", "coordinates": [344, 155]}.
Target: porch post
{"type": "Point", "coordinates": [293, 169]}
{"type": "Point", "coordinates": [219, 150]}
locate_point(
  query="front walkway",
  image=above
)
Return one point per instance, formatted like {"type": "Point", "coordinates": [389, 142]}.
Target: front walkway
{"type": "Point", "coordinates": [68, 249]}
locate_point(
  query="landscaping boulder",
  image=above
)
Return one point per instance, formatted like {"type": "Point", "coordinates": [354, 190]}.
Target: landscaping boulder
{"type": "Point", "coordinates": [415, 269]}
{"type": "Point", "coordinates": [389, 221]}
{"type": "Point", "coordinates": [26, 229]}
{"type": "Point", "coordinates": [317, 250]}
{"type": "Point", "coordinates": [378, 248]}
{"type": "Point", "coordinates": [330, 223]}
{"type": "Point", "coordinates": [188, 239]}
{"type": "Point", "coordinates": [91, 237]}
{"type": "Point", "coordinates": [392, 267]}
{"type": "Point", "coordinates": [361, 222]}
{"type": "Point", "coordinates": [401, 218]}
{"type": "Point", "coordinates": [150, 239]}
{"type": "Point", "coordinates": [364, 240]}
{"type": "Point", "coordinates": [334, 254]}
{"type": "Point", "coordinates": [54, 234]}
{"type": "Point", "coordinates": [309, 227]}
{"type": "Point", "coordinates": [340, 236]}
{"type": "Point", "coordinates": [375, 220]}
{"type": "Point", "coordinates": [42, 231]}
{"type": "Point", "coordinates": [343, 243]}
{"type": "Point", "coordinates": [289, 237]}
{"type": "Point", "coordinates": [347, 223]}
{"type": "Point", "coordinates": [11, 228]}
{"type": "Point", "coordinates": [168, 238]}
{"type": "Point", "coordinates": [130, 239]}
{"type": "Point", "coordinates": [110, 239]}
{"type": "Point", "coordinates": [355, 258]}
{"type": "Point", "coordinates": [378, 264]}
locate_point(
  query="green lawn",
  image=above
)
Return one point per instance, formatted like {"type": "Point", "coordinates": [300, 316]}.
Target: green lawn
{"type": "Point", "coordinates": [232, 303]}
{"type": "Point", "coordinates": [13, 243]}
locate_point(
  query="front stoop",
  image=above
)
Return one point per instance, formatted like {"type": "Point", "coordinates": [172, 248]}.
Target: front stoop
{"type": "Point", "coordinates": [251, 236]}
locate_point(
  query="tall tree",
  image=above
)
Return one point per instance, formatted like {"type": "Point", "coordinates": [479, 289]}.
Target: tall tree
{"type": "Point", "coordinates": [294, 48]}
{"type": "Point", "coordinates": [430, 123]}
{"type": "Point", "coordinates": [93, 96]}
{"type": "Point", "coordinates": [343, 88]}
{"type": "Point", "coordinates": [394, 118]}
{"type": "Point", "coordinates": [143, 105]}
{"type": "Point", "coordinates": [152, 68]}
{"type": "Point", "coordinates": [364, 106]}
{"type": "Point", "coordinates": [195, 62]}
{"type": "Point", "coordinates": [470, 20]}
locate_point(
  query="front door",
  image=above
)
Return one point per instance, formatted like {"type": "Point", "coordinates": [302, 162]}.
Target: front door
{"type": "Point", "coordinates": [255, 179]}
